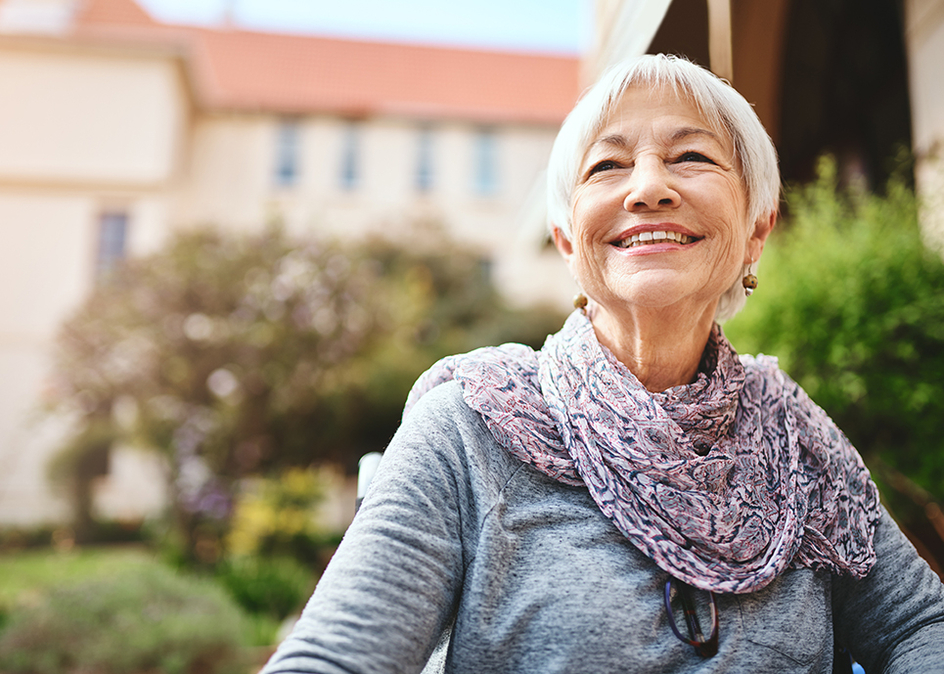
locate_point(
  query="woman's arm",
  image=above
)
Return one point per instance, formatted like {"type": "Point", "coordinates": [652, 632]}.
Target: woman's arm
{"type": "Point", "coordinates": [390, 589]}
{"type": "Point", "coordinates": [893, 619]}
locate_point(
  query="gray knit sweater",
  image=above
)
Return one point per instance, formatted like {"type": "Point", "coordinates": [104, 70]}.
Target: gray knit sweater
{"type": "Point", "coordinates": [462, 545]}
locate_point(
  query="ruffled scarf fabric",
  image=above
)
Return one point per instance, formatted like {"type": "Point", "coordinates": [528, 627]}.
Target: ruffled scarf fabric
{"type": "Point", "coordinates": [724, 483]}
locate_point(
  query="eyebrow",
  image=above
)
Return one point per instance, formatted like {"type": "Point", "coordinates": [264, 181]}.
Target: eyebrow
{"type": "Point", "coordinates": [613, 139]}
{"type": "Point", "coordinates": [621, 141]}
{"type": "Point", "coordinates": [686, 131]}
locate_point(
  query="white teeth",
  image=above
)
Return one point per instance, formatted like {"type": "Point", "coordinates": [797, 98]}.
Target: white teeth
{"type": "Point", "coordinates": [645, 238]}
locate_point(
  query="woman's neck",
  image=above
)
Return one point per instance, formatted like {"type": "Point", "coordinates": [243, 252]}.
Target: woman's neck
{"type": "Point", "coordinates": [661, 349]}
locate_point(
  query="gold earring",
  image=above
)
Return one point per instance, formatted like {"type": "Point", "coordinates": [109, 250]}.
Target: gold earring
{"type": "Point", "coordinates": [580, 301]}
{"type": "Point", "coordinates": [749, 281]}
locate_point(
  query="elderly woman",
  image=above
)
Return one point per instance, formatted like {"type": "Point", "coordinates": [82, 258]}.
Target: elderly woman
{"type": "Point", "coordinates": [634, 497]}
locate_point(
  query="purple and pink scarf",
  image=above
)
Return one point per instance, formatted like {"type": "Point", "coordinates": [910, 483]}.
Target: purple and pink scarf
{"type": "Point", "coordinates": [724, 483]}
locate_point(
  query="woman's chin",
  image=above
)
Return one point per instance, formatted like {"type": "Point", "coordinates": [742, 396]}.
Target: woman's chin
{"type": "Point", "coordinates": [655, 290]}
{"type": "Point", "coordinates": [665, 308]}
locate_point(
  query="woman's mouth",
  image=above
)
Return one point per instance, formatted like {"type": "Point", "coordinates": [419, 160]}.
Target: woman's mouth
{"type": "Point", "coordinates": [646, 238]}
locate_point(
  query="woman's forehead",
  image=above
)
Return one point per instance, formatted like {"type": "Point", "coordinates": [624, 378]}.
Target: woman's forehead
{"type": "Point", "coordinates": [645, 105]}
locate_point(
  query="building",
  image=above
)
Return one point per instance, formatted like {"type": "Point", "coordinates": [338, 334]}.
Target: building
{"type": "Point", "coordinates": [116, 130]}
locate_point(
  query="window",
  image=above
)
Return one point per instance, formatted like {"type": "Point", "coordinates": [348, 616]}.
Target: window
{"type": "Point", "coordinates": [112, 241]}
{"type": "Point", "coordinates": [350, 157]}
{"type": "Point", "coordinates": [424, 159]}
{"type": "Point", "coordinates": [287, 152]}
{"type": "Point", "coordinates": [486, 163]}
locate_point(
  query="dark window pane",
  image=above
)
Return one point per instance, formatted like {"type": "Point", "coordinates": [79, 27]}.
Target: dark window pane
{"type": "Point", "coordinates": [486, 162]}
{"type": "Point", "coordinates": [424, 160]}
{"type": "Point", "coordinates": [287, 154]}
{"type": "Point", "coordinates": [112, 241]}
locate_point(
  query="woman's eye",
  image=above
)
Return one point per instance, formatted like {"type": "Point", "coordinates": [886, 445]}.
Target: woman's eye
{"type": "Point", "coordinates": [606, 165]}
{"type": "Point", "coordinates": [694, 156]}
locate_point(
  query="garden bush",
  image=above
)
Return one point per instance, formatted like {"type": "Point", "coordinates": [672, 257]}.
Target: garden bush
{"type": "Point", "coordinates": [278, 517]}
{"type": "Point", "coordinates": [239, 356]}
{"type": "Point", "coordinates": [852, 302]}
{"type": "Point", "coordinates": [149, 620]}
{"type": "Point", "coordinates": [276, 548]}
{"type": "Point", "coordinates": [275, 587]}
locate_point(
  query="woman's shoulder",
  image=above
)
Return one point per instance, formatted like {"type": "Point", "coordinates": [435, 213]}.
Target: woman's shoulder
{"type": "Point", "coordinates": [763, 375]}
{"type": "Point", "coordinates": [487, 367]}
{"type": "Point", "coordinates": [768, 386]}
{"type": "Point", "coordinates": [440, 408]}
{"type": "Point", "coordinates": [443, 430]}
{"type": "Point", "coordinates": [489, 400]}
{"type": "Point", "coordinates": [761, 365]}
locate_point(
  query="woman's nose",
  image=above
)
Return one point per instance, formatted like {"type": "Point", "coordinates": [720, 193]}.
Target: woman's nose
{"type": "Point", "coordinates": [650, 186]}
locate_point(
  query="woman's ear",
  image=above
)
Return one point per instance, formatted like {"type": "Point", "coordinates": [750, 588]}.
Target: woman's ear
{"type": "Point", "coordinates": [563, 244]}
{"type": "Point", "coordinates": [762, 229]}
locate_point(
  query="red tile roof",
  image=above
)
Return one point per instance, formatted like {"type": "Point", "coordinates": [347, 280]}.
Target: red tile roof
{"type": "Point", "coordinates": [291, 73]}
{"type": "Point", "coordinates": [112, 12]}
{"type": "Point", "coordinates": [295, 74]}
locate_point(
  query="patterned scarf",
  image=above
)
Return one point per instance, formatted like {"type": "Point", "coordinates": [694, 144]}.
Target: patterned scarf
{"type": "Point", "coordinates": [724, 483]}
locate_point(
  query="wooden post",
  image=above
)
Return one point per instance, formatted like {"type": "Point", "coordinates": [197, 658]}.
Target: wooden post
{"type": "Point", "coordinates": [719, 39]}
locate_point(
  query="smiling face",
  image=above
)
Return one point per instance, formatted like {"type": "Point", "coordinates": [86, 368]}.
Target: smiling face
{"type": "Point", "coordinates": [659, 212]}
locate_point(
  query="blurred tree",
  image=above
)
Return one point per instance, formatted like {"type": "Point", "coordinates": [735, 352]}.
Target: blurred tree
{"type": "Point", "coordinates": [852, 302]}
{"type": "Point", "coordinates": [238, 356]}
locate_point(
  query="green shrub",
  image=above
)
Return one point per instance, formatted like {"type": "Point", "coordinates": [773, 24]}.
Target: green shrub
{"type": "Point", "coordinates": [274, 587]}
{"type": "Point", "coordinates": [278, 517]}
{"type": "Point", "coordinates": [151, 620]}
{"type": "Point", "coordinates": [19, 538]}
{"type": "Point", "coordinates": [853, 304]}
{"type": "Point", "coordinates": [238, 356]}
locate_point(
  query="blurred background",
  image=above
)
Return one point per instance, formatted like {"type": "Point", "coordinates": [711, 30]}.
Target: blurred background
{"type": "Point", "coordinates": [233, 233]}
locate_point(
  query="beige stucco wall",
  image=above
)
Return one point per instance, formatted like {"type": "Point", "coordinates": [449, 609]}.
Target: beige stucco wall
{"type": "Point", "coordinates": [37, 16]}
{"type": "Point", "coordinates": [42, 279]}
{"type": "Point", "coordinates": [925, 42]}
{"type": "Point", "coordinates": [230, 181]}
{"type": "Point", "coordinates": [41, 274]}
{"type": "Point", "coordinates": [77, 115]}
{"type": "Point", "coordinates": [82, 130]}
{"type": "Point", "coordinates": [135, 487]}
{"type": "Point", "coordinates": [46, 269]}
{"type": "Point", "coordinates": [225, 173]}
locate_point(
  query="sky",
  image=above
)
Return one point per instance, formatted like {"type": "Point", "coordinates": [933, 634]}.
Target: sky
{"type": "Point", "coordinates": [554, 26]}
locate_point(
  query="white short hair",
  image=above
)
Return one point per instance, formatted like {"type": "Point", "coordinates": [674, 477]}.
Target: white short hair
{"type": "Point", "coordinates": [723, 108]}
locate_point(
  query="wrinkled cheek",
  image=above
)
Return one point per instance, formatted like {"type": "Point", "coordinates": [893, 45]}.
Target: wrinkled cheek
{"type": "Point", "coordinates": [586, 269]}
{"type": "Point", "coordinates": [581, 271]}
{"type": "Point", "coordinates": [730, 265]}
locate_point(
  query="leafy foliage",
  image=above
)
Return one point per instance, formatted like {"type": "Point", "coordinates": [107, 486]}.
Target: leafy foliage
{"type": "Point", "coordinates": [149, 620]}
{"type": "Point", "coordinates": [273, 586]}
{"type": "Point", "coordinates": [240, 356]}
{"type": "Point", "coordinates": [220, 343]}
{"type": "Point", "coordinates": [853, 304]}
{"type": "Point", "coordinates": [278, 517]}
